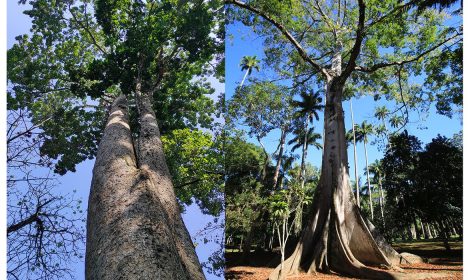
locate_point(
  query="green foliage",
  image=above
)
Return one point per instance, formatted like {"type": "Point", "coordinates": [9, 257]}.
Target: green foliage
{"type": "Point", "coordinates": [403, 39]}
{"type": "Point", "coordinates": [424, 183]}
{"type": "Point", "coordinates": [195, 161]}
{"type": "Point", "coordinates": [243, 164]}
{"type": "Point", "coordinates": [81, 54]}
{"type": "Point", "coordinates": [249, 63]}
{"type": "Point", "coordinates": [262, 106]}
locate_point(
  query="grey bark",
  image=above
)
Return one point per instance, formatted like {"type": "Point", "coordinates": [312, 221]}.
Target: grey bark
{"type": "Point", "coordinates": [337, 237]}
{"type": "Point", "coordinates": [134, 228]}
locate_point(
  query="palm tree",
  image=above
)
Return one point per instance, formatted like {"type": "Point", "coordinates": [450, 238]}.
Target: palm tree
{"type": "Point", "coordinates": [381, 113]}
{"type": "Point", "coordinates": [307, 108]}
{"type": "Point", "coordinates": [355, 154]}
{"type": "Point", "coordinates": [376, 169]}
{"type": "Point", "coordinates": [396, 121]}
{"type": "Point", "coordinates": [362, 133]}
{"type": "Point", "coordinates": [248, 63]}
{"type": "Point", "coordinates": [299, 141]}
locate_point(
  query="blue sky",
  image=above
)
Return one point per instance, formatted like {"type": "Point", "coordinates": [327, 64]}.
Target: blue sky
{"type": "Point", "coordinates": [242, 41]}
{"type": "Point", "coordinates": [18, 24]}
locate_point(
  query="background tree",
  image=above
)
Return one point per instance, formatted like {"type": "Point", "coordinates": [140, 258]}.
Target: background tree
{"type": "Point", "coordinates": [43, 232]}
{"type": "Point", "coordinates": [307, 108]}
{"type": "Point", "coordinates": [400, 168]}
{"type": "Point", "coordinates": [363, 132]}
{"type": "Point", "coordinates": [376, 170]}
{"type": "Point", "coordinates": [352, 136]}
{"type": "Point", "coordinates": [248, 64]}
{"type": "Point", "coordinates": [81, 53]}
{"type": "Point", "coordinates": [263, 107]}
{"type": "Point", "coordinates": [345, 51]}
{"type": "Point", "coordinates": [382, 113]}
{"type": "Point", "coordinates": [245, 193]}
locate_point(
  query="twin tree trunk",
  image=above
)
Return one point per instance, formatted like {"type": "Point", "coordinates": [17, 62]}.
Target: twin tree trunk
{"type": "Point", "coordinates": [337, 236]}
{"type": "Point", "coordinates": [134, 227]}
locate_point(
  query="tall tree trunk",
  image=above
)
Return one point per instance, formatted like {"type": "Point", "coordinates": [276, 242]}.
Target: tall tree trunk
{"type": "Point", "coordinates": [134, 228]}
{"type": "Point", "coordinates": [423, 230]}
{"type": "Point", "coordinates": [247, 244]}
{"type": "Point", "coordinates": [416, 228]}
{"type": "Point", "coordinates": [412, 231]}
{"type": "Point", "coordinates": [280, 157]}
{"type": "Point", "coordinates": [355, 156]}
{"type": "Point", "coordinates": [427, 230]}
{"type": "Point", "coordinates": [337, 237]}
{"type": "Point", "coordinates": [266, 161]}
{"type": "Point", "coordinates": [386, 133]}
{"type": "Point", "coordinates": [243, 79]}
{"type": "Point", "coordinates": [381, 200]}
{"type": "Point", "coordinates": [304, 152]}
{"type": "Point", "coordinates": [368, 180]}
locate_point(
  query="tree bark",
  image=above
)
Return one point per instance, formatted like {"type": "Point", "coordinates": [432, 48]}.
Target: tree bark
{"type": "Point", "coordinates": [134, 228]}
{"type": "Point", "coordinates": [337, 237]}
{"type": "Point", "coordinates": [280, 157]}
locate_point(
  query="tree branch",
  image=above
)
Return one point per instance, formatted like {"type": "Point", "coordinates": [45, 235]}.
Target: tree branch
{"type": "Point", "coordinates": [402, 62]}
{"type": "Point", "coordinates": [357, 44]}
{"type": "Point", "coordinates": [80, 23]}
{"type": "Point", "coordinates": [188, 183]}
{"type": "Point", "coordinates": [283, 30]}
{"type": "Point", "coordinates": [392, 12]}
{"type": "Point", "coordinates": [31, 219]}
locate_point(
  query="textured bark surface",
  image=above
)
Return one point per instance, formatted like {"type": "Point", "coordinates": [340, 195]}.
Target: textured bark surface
{"type": "Point", "coordinates": [134, 228]}
{"type": "Point", "coordinates": [337, 237]}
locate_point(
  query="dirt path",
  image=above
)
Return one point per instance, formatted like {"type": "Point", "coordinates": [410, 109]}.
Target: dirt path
{"type": "Point", "coordinates": [441, 264]}
{"type": "Point", "coordinates": [416, 271]}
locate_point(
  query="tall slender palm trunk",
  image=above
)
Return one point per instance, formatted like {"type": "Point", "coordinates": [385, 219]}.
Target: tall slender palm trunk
{"type": "Point", "coordinates": [134, 227]}
{"type": "Point", "coordinates": [243, 79]}
{"type": "Point", "coordinates": [381, 200]}
{"type": "Point", "coordinates": [368, 180]}
{"type": "Point", "coordinates": [304, 151]}
{"type": "Point", "coordinates": [358, 201]}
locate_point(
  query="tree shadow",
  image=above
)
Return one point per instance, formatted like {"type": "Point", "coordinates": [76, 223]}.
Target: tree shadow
{"type": "Point", "coordinates": [239, 274]}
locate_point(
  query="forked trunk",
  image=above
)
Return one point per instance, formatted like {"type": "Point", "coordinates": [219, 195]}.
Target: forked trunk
{"type": "Point", "coordinates": [337, 237]}
{"type": "Point", "coordinates": [134, 228]}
